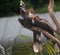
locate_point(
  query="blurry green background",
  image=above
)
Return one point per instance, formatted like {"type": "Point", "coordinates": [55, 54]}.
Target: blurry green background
{"type": "Point", "coordinates": [26, 48]}
{"type": "Point", "coordinates": [11, 7]}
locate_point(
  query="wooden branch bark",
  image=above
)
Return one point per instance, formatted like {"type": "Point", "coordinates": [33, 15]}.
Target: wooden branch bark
{"type": "Point", "coordinates": [47, 34]}
{"type": "Point", "coordinates": [51, 12]}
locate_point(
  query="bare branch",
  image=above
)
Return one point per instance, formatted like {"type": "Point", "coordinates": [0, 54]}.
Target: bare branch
{"type": "Point", "coordinates": [47, 34]}
{"type": "Point", "coordinates": [51, 12]}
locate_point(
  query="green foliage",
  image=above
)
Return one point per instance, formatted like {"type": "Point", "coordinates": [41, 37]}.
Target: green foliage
{"type": "Point", "coordinates": [26, 48]}
{"type": "Point", "coordinates": [48, 48]}
{"type": "Point", "coordinates": [57, 36]}
{"type": "Point", "coordinates": [24, 37]}
{"type": "Point", "coordinates": [11, 7]}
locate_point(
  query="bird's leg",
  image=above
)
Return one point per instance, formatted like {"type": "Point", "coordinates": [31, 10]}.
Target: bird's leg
{"type": "Point", "coordinates": [37, 42]}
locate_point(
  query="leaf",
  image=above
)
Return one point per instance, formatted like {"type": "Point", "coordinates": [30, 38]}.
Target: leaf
{"type": "Point", "coordinates": [24, 37]}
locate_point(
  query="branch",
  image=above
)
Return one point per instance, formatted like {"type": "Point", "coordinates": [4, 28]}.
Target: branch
{"type": "Point", "coordinates": [51, 12]}
{"type": "Point", "coordinates": [47, 34]}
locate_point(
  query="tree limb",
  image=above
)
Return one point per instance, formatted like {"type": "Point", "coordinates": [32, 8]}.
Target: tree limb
{"type": "Point", "coordinates": [47, 34]}
{"type": "Point", "coordinates": [51, 12]}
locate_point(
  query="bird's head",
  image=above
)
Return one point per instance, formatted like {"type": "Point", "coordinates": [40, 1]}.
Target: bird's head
{"type": "Point", "coordinates": [22, 4]}
{"type": "Point", "coordinates": [23, 10]}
